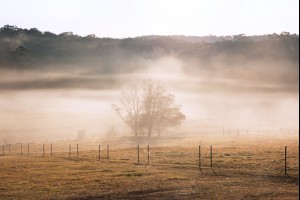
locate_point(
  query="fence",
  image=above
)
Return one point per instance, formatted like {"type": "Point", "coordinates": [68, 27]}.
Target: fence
{"type": "Point", "coordinates": [282, 160]}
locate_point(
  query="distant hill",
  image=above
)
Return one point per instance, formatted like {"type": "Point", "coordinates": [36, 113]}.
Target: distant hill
{"type": "Point", "coordinates": [23, 48]}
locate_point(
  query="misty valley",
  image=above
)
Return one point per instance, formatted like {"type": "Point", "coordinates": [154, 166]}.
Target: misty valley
{"type": "Point", "coordinates": [54, 85]}
{"type": "Point", "coordinates": [149, 117]}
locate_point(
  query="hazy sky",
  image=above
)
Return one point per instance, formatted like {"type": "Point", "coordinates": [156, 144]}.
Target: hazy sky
{"type": "Point", "coordinates": [131, 18]}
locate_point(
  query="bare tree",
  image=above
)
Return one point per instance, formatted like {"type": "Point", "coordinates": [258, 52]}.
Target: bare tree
{"type": "Point", "coordinates": [149, 110]}
{"type": "Point", "coordinates": [131, 108]}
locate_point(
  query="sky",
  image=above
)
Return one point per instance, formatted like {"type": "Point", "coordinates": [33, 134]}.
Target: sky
{"type": "Point", "coordinates": [132, 18]}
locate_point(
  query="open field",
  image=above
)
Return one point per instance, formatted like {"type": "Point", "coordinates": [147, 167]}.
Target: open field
{"type": "Point", "coordinates": [244, 167]}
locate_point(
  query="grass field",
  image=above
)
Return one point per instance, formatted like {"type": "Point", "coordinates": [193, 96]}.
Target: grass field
{"type": "Point", "coordinates": [244, 167]}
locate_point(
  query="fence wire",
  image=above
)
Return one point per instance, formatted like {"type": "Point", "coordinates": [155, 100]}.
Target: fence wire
{"type": "Point", "coordinates": [256, 159]}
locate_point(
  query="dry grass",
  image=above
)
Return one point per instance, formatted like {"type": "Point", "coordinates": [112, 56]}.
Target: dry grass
{"type": "Point", "coordinates": [243, 168]}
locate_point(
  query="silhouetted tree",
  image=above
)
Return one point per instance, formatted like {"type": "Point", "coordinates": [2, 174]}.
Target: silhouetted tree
{"type": "Point", "coordinates": [49, 34]}
{"type": "Point", "coordinates": [21, 56]}
{"type": "Point", "coordinates": [35, 31]}
{"type": "Point", "coordinates": [9, 30]}
{"type": "Point", "coordinates": [149, 110]}
{"type": "Point", "coordinates": [91, 36]}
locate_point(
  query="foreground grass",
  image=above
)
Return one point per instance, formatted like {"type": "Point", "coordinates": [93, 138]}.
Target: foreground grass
{"type": "Point", "coordinates": [255, 172]}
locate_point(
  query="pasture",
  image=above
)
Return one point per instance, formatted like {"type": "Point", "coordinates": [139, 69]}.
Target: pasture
{"type": "Point", "coordinates": [241, 167]}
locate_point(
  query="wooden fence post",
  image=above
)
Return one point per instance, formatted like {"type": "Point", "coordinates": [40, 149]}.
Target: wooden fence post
{"type": "Point", "coordinates": [99, 152]}
{"type": "Point", "coordinates": [285, 160]}
{"type": "Point", "coordinates": [28, 149]}
{"type": "Point", "coordinates": [211, 157]}
{"type": "Point", "coordinates": [69, 150]}
{"type": "Point", "coordinates": [107, 148]}
{"type": "Point", "coordinates": [9, 149]}
{"type": "Point", "coordinates": [51, 149]}
{"type": "Point", "coordinates": [148, 153]}
{"type": "Point", "coordinates": [199, 156]}
{"type": "Point", "coordinates": [43, 150]}
{"type": "Point", "coordinates": [138, 150]}
{"type": "Point", "coordinates": [77, 151]}
{"type": "Point", "coordinates": [21, 149]}
{"type": "Point", "coordinates": [3, 150]}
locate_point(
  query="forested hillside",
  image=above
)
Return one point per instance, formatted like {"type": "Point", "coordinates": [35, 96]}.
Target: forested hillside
{"type": "Point", "coordinates": [268, 59]}
{"type": "Point", "coordinates": [21, 48]}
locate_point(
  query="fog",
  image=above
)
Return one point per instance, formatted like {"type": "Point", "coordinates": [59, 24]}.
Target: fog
{"type": "Point", "coordinates": [54, 104]}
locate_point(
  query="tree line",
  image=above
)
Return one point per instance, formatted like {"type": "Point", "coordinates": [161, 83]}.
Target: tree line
{"type": "Point", "coordinates": [25, 48]}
